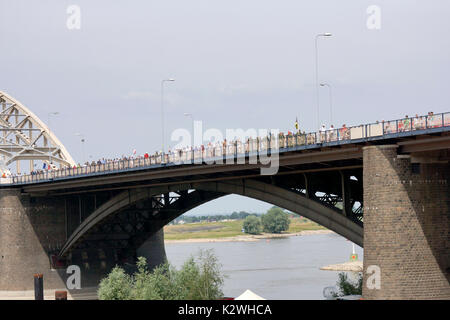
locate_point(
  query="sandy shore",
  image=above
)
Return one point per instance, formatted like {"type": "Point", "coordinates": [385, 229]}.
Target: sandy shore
{"type": "Point", "coordinates": [251, 237]}
{"type": "Point", "coordinates": [89, 293]}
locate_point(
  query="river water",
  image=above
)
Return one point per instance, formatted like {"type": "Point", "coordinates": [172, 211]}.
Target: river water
{"type": "Point", "coordinates": [286, 268]}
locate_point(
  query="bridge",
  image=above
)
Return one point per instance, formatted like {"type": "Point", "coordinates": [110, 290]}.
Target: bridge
{"type": "Point", "coordinates": [383, 185]}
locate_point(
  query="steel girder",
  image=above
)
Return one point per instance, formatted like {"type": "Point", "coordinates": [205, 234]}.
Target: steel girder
{"type": "Point", "coordinates": [130, 218]}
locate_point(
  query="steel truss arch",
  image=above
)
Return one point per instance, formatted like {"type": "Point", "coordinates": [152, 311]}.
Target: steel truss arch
{"type": "Point", "coordinates": [297, 203]}
{"type": "Point", "coordinates": [24, 136]}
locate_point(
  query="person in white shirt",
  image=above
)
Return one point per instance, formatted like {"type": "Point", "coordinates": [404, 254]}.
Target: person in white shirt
{"type": "Point", "coordinates": [322, 133]}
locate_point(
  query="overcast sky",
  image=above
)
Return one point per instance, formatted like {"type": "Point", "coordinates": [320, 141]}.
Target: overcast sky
{"type": "Point", "coordinates": [237, 64]}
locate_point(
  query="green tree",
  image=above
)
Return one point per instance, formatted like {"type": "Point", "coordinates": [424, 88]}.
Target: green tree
{"type": "Point", "coordinates": [198, 279]}
{"type": "Point", "coordinates": [116, 286]}
{"type": "Point", "coordinates": [275, 220]}
{"type": "Point", "coordinates": [252, 225]}
{"type": "Point", "coordinates": [210, 279]}
{"type": "Point", "coordinates": [347, 287]}
{"type": "Point", "coordinates": [155, 285]}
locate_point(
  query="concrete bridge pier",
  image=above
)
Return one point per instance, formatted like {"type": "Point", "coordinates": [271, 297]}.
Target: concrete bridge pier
{"type": "Point", "coordinates": [153, 250]}
{"type": "Point", "coordinates": [406, 225]}
{"type": "Point", "coordinates": [30, 228]}
{"type": "Point", "coordinates": [33, 229]}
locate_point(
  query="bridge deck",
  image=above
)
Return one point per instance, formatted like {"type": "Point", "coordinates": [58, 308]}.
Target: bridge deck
{"type": "Point", "coordinates": [420, 134]}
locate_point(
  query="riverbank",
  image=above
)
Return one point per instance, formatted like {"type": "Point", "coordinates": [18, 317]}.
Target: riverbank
{"type": "Point", "coordinates": [89, 293]}
{"type": "Point", "coordinates": [247, 238]}
{"type": "Point", "coordinates": [231, 230]}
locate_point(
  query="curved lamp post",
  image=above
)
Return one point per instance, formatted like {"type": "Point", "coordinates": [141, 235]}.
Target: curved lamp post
{"type": "Point", "coordinates": [82, 144]}
{"type": "Point", "coordinates": [162, 110]}
{"type": "Point", "coordinates": [331, 100]}
{"type": "Point", "coordinates": [327, 34]}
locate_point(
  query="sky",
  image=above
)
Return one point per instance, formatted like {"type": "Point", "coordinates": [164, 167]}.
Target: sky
{"type": "Point", "coordinates": [236, 64]}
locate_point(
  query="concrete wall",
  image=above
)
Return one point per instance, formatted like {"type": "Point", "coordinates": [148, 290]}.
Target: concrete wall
{"type": "Point", "coordinates": [406, 225]}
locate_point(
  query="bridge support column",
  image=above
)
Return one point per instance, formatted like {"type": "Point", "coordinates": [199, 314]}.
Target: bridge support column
{"type": "Point", "coordinates": [28, 232]}
{"type": "Point", "coordinates": [153, 250]}
{"type": "Point", "coordinates": [406, 226]}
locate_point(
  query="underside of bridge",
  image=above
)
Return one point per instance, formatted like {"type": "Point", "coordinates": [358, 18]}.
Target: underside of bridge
{"type": "Point", "coordinates": [98, 230]}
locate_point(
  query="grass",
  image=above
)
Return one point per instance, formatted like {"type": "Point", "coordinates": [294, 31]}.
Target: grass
{"type": "Point", "coordinates": [202, 230]}
{"type": "Point", "coordinates": [301, 224]}
{"type": "Point", "coordinates": [225, 229]}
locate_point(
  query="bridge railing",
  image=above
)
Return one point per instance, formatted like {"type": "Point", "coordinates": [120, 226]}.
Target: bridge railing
{"type": "Point", "coordinates": [251, 146]}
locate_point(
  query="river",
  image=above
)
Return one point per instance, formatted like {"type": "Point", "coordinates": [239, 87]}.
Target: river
{"type": "Point", "coordinates": [286, 268]}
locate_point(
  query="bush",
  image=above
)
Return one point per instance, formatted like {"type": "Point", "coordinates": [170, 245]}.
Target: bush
{"type": "Point", "coordinates": [347, 287]}
{"type": "Point", "coordinates": [196, 280]}
{"type": "Point", "coordinates": [252, 225]}
{"type": "Point", "coordinates": [155, 285]}
{"type": "Point", "coordinates": [117, 286]}
{"type": "Point", "coordinates": [209, 280]}
{"type": "Point", "coordinates": [275, 220]}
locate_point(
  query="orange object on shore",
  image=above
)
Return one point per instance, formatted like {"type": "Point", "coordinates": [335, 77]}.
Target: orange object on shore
{"type": "Point", "coordinates": [60, 295]}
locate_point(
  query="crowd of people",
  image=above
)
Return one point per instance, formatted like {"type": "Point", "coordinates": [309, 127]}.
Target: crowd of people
{"type": "Point", "coordinates": [237, 146]}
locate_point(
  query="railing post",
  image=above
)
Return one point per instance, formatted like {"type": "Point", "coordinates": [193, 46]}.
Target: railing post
{"type": "Point", "coordinates": [38, 286]}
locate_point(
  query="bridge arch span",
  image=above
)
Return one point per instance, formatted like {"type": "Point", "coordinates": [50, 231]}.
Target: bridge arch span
{"type": "Point", "coordinates": [292, 201]}
{"type": "Point", "coordinates": [207, 191]}
{"type": "Point", "coordinates": [26, 137]}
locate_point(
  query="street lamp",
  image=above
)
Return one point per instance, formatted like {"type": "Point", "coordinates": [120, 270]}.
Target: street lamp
{"type": "Point", "coordinates": [10, 148]}
{"type": "Point", "coordinates": [317, 73]}
{"type": "Point", "coordinates": [82, 144]}
{"type": "Point", "coordinates": [331, 100]}
{"type": "Point", "coordinates": [48, 142]}
{"type": "Point", "coordinates": [162, 110]}
{"type": "Point", "coordinates": [192, 127]}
